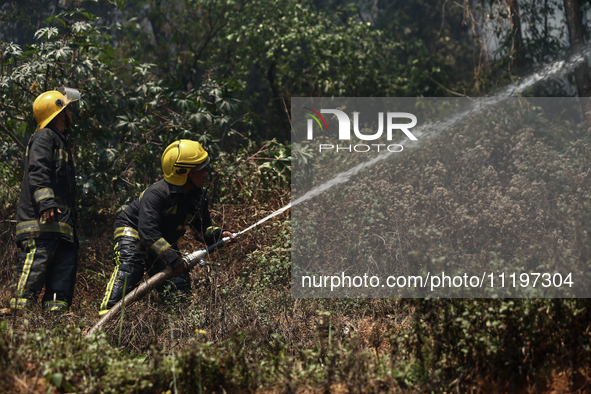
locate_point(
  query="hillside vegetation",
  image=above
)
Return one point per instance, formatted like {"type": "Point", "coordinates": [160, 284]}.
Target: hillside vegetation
{"type": "Point", "coordinates": [512, 190]}
{"type": "Point", "coordinates": [241, 330]}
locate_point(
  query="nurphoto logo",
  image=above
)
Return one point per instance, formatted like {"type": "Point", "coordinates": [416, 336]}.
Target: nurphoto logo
{"type": "Point", "coordinates": [345, 129]}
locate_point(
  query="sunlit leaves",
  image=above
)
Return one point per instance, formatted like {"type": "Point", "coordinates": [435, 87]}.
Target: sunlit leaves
{"type": "Point", "coordinates": [46, 32]}
{"type": "Point", "coordinates": [11, 49]}
{"type": "Point", "coordinates": [79, 27]}
{"type": "Point", "coordinates": [142, 69]}
{"type": "Point", "coordinates": [59, 53]}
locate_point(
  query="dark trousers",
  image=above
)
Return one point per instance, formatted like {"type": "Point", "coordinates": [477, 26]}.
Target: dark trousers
{"type": "Point", "coordinates": [130, 265]}
{"type": "Point", "coordinates": [49, 262]}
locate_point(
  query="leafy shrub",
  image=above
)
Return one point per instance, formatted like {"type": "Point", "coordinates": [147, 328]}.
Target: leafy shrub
{"type": "Point", "coordinates": [125, 119]}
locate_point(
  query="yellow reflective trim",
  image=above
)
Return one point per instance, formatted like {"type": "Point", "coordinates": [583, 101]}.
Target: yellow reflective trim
{"type": "Point", "coordinates": [20, 290]}
{"type": "Point", "coordinates": [126, 231]}
{"type": "Point", "coordinates": [141, 195]}
{"type": "Point", "coordinates": [103, 308]}
{"type": "Point", "coordinates": [33, 226]}
{"type": "Point", "coordinates": [56, 305]}
{"type": "Point", "coordinates": [170, 211]}
{"type": "Point", "coordinates": [19, 303]}
{"type": "Point", "coordinates": [160, 246]}
{"type": "Point", "coordinates": [210, 230]}
{"type": "Point", "coordinates": [60, 154]}
{"type": "Point", "coordinates": [42, 194]}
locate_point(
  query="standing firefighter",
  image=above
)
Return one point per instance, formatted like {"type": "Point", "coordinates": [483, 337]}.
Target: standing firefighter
{"type": "Point", "coordinates": [146, 231]}
{"type": "Point", "coordinates": [46, 215]}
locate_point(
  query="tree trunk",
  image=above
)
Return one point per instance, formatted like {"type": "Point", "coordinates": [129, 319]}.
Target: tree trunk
{"type": "Point", "coordinates": [577, 42]}
{"type": "Point", "coordinates": [516, 39]}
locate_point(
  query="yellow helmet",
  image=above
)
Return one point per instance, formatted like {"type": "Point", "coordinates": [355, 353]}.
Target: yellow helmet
{"type": "Point", "coordinates": [179, 158]}
{"type": "Point", "coordinates": [49, 104]}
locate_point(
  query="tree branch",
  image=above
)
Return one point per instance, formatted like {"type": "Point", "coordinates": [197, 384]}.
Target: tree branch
{"type": "Point", "coordinates": [11, 134]}
{"type": "Point", "coordinates": [15, 192]}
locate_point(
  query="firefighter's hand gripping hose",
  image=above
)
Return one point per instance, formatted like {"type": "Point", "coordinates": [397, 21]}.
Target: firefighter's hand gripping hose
{"type": "Point", "coordinates": [191, 260]}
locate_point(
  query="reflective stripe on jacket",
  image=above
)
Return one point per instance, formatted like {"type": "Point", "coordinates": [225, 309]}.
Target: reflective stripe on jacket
{"type": "Point", "coordinates": [49, 181]}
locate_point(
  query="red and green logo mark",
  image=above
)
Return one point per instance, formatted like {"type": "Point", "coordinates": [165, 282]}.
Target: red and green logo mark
{"type": "Point", "coordinates": [315, 115]}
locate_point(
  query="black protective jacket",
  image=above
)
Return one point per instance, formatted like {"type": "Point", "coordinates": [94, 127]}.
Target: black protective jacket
{"type": "Point", "coordinates": [158, 218]}
{"type": "Point", "coordinates": [49, 181]}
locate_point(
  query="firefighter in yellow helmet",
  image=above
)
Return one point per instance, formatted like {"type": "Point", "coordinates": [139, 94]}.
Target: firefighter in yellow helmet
{"type": "Point", "coordinates": [147, 230]}
{"type": "Point", "coordinates": [46, 215]}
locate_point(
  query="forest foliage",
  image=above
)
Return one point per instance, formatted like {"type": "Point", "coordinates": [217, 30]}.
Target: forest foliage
{"type": "Point", "coordinates": [223, 72]}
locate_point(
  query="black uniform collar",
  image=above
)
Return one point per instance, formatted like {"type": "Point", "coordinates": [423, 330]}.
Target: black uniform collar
{"type": "Point", "coordinates": [174, 189]}
{"type": "Point", "coordinates": [62, 134]}
{"type": "Point", "coordinates": [178, 195]}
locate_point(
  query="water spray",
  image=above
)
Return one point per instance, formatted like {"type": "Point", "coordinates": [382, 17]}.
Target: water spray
{"type": "Point", "coordinates": [197, 257]}
{"type": "Point", "coordinates": [553, 69]}
{"type": "Point", "coordinates": [277, 212]}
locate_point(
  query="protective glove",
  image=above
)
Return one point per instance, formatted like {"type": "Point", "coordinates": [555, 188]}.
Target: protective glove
{"type": "Point", "coordinates": [179, 267]}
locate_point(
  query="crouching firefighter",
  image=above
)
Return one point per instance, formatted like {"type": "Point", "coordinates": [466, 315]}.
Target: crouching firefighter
{"type": "Point", "coordinates": [147, 230]}
{"type": "Point", "coordinates": [46, 214]}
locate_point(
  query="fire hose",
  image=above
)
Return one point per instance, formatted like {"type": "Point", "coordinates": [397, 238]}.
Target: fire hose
{"type": "Point", "coordinates": [193, 259]}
